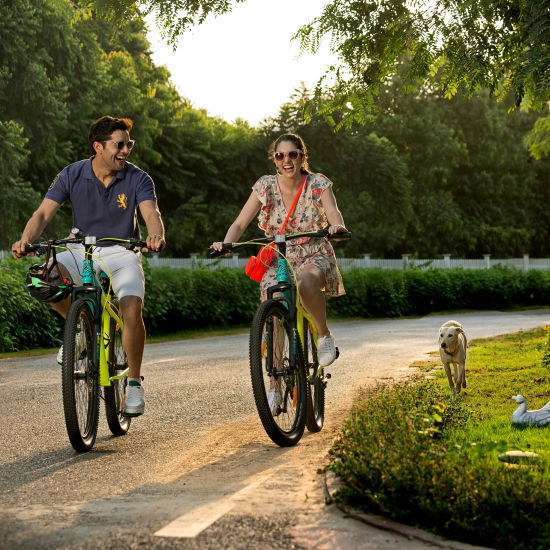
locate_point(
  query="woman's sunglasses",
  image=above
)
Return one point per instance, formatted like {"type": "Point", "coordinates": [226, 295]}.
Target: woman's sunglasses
{"type": "Point", "coordinates": [120, 144]}
{"type": "Point", "coordinates": [292, 155]}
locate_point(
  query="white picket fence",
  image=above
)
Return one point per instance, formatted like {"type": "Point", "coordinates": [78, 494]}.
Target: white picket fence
{"type": "Point", "coordinates": [405, 262]}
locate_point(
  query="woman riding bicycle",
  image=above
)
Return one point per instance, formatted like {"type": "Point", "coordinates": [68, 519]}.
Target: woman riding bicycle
{"type": "Point", "coordinates": [312, 259]}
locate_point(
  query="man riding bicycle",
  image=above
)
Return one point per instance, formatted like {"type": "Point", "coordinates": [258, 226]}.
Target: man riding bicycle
{"type": "Point", "coordinates": [105, 192]}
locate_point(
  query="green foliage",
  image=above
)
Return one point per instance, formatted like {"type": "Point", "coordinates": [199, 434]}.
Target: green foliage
{"type": "Point", "coordinates": [412, 453]}
{"type": "Point", "coordinates": [174, 17]}
{"type": "Point", "coordinates": [394, 293]}
{"type": "Point", "coordinates": [433, 176]}
{"type": "Point", "coordinates": [546, 353]}
{"type": "Point", "coordinates": [538, 139]}
{"type": "Point", "coordinates": [371, 293]}
{"type": "Point", "coordinates": [421, 175]}
{"type": "Point", "coordinates": [455, 46]}
{"type": "Point", "coordinates": [178, 299]}
{"type": "Point", "coordinates": [25, 323]}
{"type": "Point", "coordinates": [17, 198]}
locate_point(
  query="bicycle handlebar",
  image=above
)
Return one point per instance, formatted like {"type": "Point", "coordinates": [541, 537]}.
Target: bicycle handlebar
{"type": "Point", "coordinates": [230, 247]}
{"type": "Point", "coordinates": [41, 247]}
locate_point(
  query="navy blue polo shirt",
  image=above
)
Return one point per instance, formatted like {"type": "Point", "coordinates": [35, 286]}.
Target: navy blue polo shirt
{"type": "Point", "coordinates": [103, 211]}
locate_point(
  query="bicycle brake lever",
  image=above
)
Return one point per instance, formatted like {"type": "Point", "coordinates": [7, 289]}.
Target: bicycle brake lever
{"type": "Point", "coordinates": [213, 253]}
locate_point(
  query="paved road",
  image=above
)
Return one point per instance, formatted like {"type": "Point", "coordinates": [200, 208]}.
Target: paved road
{"type": "Point", "coordinates": [197, 470]}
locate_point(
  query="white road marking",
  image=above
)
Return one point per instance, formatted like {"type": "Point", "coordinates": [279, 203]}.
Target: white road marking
{"type": "Point", "coordinates": [191, 524]}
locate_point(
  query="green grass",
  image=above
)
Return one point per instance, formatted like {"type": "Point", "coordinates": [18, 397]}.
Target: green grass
{"type": "Point", "coordinates": [418, 454]}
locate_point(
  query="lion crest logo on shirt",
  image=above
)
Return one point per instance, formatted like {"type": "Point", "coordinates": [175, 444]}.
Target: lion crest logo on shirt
{"type": "Point", "coordinates": [122, 201]}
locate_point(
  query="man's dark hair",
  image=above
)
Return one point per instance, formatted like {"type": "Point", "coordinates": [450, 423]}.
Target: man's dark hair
{"type": "Point", "coordinates": [103, 127]}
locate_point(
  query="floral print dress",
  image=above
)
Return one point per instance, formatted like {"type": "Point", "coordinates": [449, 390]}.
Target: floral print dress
{"type": "Point", "coordinates": [308, 215]}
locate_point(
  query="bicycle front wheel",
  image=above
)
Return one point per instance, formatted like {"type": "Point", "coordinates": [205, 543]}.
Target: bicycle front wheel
{"type": "Point", "coordinates": [278, 374]}
{"type": "Point", "coordinates": [80, 377]}
{"type": "Point", "coordinates": [315, 383]}
{"type": "Point", "coordinates": [114, 394]}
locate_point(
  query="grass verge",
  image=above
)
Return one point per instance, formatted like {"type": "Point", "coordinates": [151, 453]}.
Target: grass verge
{"type": "Point", "coordinates": [417, 454]}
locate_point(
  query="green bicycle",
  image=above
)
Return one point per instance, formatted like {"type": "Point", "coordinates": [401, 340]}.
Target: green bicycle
{"type": "Point", "coordinates": [93, 355]}
{"type": "Point", "coordinates": [287, 380]}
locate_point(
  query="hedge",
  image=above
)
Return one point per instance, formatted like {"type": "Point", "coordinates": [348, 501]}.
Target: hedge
{"type": "Point", "coordinates": [179, 299]}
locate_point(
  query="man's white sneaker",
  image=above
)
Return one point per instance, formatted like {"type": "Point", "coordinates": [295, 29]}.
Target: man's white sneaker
{"type": "Point", "coordinates": [274, 398]}
{"type": "Point", "coordinates": [134, 403]}
{"type": "Point", "coordinates": [326, 350]}
{"type": "Point", "coordinates": [80, 348]}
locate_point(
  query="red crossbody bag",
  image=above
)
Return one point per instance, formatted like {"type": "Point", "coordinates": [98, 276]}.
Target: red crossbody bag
{"type": "Point", "coordinates": [257, 265]}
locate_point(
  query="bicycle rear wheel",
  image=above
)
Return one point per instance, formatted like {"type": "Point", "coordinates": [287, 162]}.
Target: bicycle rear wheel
{"type": "Point", "coordinates": [80, 377]}
{"type": "Point", "coordinates": [271, 345]}
{"type": "Point", "coordinates": [315, 383]}
{"type": "Point", "coordinates": [114, 394]}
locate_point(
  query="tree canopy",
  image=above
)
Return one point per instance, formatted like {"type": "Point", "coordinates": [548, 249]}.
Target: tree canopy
{"type": "Point", "coordinates": [422, 175]}
{"type": "Point", "coordinates": [449, 46]}
{"type": "Point", "coordinates": [173, 17]}
{"type": "Point", "coordinates": [452, 45]}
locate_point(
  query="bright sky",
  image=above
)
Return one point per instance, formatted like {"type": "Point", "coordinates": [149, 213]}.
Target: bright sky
{"type": "Point", "coordinates": [243, 64]}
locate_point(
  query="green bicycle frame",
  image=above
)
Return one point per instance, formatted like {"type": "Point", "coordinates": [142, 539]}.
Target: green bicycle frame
{"type": "Point", "coordinates": [89, 280]}
{"type": "Point", "coordinates": [107, 314]}
{"type": "Point", "coordinates": [283, 276]}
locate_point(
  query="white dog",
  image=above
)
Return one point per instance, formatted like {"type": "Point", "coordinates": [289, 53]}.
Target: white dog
{"type": "Point", "coordinates": [452, 349]}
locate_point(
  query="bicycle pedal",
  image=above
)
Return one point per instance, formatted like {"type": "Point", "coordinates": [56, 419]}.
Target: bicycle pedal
{"type": "Point", "coordinates": [130, 415]}
{"type": "Point", "coordinates": [337, 352]}
{"type": "Point", "coordinates": [328, 375]}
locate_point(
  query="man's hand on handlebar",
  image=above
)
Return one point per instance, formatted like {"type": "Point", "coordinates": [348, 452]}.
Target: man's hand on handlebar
{"type": "Point", "coordinates": [19, 249]}
{"type": "Point", "coordinates": [155, 243]}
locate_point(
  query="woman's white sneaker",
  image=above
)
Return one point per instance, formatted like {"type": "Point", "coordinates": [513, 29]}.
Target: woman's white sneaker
{"type": "Point", "coordinates": [326, 350]}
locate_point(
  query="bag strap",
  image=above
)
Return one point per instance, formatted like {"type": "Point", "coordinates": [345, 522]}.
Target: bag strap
{"type": "Point", "coordinates": [296, 198]}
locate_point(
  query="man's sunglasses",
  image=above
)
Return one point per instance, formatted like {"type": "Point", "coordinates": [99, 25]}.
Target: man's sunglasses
{"type": "Point", "coordinates": [120, 144]}
{"type": "Point", "coordinates": [292, 155]}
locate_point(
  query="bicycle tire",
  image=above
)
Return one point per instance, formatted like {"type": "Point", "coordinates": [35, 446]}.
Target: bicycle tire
{"type": "Point", "coordinates": [271, 338]}
{"type": "Point", "coordinates": [115, 393]}
{"type": "Point", "coordinates": [80, 377]}
{"type": "Point", "coordinates": [316, 384]}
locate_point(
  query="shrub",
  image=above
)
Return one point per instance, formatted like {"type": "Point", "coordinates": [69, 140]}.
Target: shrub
{"type": "Point", "coordinates": [393, 458]}
{"type": "Point", "coordinates": [25, 323]}
{"type": "Point", "coordinates": [371, 293]}
{"type": "Point", "coordinates": [179, 299]}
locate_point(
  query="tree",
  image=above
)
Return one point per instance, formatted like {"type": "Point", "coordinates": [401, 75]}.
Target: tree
{"type": "Point", "coordinates": [17, 198]}
{"type": "Point", "coordinates": [173, 17]}
{"type": "Point", "coordinates": [456, 46]}
{"type": "Point", "coordinates": [452, 45]}
{"type": "Point", "coordinates": [370, 179]}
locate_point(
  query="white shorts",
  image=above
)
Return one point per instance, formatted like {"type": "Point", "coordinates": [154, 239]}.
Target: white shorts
{"type": "Point", "coordinates": [121, 265]}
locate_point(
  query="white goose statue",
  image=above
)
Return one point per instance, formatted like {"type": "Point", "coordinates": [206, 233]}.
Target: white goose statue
{"type": "Point", "coordinates": [522, 416]}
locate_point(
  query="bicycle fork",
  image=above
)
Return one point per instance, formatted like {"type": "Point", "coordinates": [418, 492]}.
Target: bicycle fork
{"type": "Point", "coordinates": [108, 313]}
